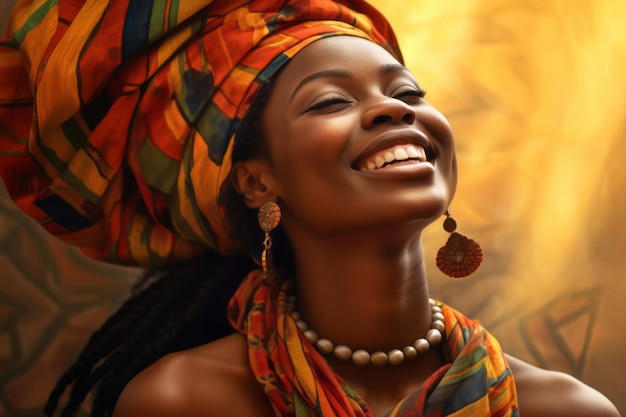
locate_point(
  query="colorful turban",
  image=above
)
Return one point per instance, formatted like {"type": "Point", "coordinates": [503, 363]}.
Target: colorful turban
{"type": "Point", "coordinates": [117, 118]}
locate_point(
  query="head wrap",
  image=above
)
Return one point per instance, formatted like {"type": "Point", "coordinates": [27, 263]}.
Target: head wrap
{"type": "Point", "coordinates": [117, 117]}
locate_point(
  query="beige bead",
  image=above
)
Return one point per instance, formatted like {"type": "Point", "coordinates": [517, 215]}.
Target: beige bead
{"type": "Point", "coordinates": [409, 352]}
{"type": "Point", "coordinates": [325, 346]}
{"type": "Point", "coordinates": [295, 315]}
{"type": "Point", "coordinates": [431, 301]}
{"type": "Point", "coordinates": [421, 345]}
{"type": "Point", "coordinates": [437, 316]}
{"type": "Point", "coordinates": [301, 325]}
{"type": "Point", "coordinates": [396, 357]}
{"type": "Point", "coordinates": [311, 336]}
{"type": "Point", "coordinates": [379, 358]}
{"type": "Point", "coordinates": [361, 357]}
{"type": "Point", "coordinates": [439, 325]}
{"type": "Point", "coordinates": [434, 337]}
{"type": "Point", "coordinates": [436, 309]}
{"type": "Point", "coordinates": [342, 352]}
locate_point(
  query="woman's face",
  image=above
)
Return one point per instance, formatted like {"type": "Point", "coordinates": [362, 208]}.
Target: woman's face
{"type": "Point", "coordinates": [352, 142]}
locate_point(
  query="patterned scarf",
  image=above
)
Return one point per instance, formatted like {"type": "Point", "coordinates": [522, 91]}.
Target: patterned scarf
{"type": "Point", "coordinates": [118, 117]}
{"type": "Point", "coordinates": [300, 383]}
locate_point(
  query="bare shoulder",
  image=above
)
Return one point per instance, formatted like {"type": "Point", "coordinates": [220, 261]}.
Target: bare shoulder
{"type": "Point", "coordinates": [549, 393]}
{"type": "Point", "coordinates": [210, 380]}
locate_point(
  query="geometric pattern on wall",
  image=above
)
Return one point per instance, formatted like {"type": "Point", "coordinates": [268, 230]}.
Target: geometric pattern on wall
{"type": "Point", "coordinates": [51, 299]}
{"type": "Point", "coordinates": [558, 335]}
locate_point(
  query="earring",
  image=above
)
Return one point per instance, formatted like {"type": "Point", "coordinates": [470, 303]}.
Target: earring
{"type": "Point", "coordinates": [269, 217]}
{"type": "Point", "coordinates": [460, 256]}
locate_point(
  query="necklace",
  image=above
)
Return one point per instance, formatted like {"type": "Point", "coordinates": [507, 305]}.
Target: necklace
{"type": "Point", "coordinates": [362, 357]}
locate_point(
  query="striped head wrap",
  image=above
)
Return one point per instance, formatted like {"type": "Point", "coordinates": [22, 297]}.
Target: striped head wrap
{"type": "Point", "coordinates": [117, 118]}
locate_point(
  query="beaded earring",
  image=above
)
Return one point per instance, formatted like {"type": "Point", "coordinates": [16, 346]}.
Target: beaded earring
{"type": "Point", "coordinates": [460, 256]}
{"type": "Point", "coordinates": [268, 217]}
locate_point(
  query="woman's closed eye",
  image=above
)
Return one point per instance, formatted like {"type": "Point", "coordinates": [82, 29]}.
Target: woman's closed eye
{"type": "Point", "coordinates": [328, 102]}
{"type": "Point", "coordinates": [411, 95]}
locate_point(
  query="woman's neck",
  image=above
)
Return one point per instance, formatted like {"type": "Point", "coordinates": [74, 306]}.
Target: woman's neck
{"type": "Point", "coordinates": [364, 293]}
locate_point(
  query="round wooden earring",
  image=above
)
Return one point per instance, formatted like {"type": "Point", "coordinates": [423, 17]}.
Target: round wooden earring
{"type": "Point", "coordinates": [269, 216]}
{"type": "Point", "coordinates": [460, 256]}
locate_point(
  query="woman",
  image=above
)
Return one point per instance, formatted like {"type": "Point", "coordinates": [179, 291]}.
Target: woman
{"type": "Point", "coordinates": [340, 137]}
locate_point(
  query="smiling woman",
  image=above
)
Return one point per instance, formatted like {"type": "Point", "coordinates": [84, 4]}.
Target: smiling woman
{"type": "Point", "coordinates": [165, 151]}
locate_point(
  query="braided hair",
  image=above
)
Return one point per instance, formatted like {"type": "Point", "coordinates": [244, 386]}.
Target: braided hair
{"type": "Point", "coordinates": [166, 316]}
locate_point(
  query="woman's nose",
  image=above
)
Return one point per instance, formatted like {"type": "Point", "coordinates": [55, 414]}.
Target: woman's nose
{"type": "Point", "coordinates": [388, 110]}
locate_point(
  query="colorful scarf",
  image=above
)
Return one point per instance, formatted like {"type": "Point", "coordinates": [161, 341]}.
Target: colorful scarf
{"type": "Point", "coordinates": [117, 117]}
{"type": "Point", "coordinates": [299, 382]}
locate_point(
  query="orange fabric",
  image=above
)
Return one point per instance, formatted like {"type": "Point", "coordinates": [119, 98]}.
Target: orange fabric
{"type": "Point", "coordinates": [117, 117]}
{"type": "Point", "coordinates": [299, 382]}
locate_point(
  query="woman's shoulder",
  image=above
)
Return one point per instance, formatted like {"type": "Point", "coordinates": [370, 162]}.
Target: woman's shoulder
{"type": "Point", "coordinates": [550, 393]}
{"type": "Point", "coordinates": [209, 380]}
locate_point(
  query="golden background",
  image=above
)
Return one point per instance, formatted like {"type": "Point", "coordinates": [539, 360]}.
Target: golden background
{"type": "Point", "coordinates": [535, 93]}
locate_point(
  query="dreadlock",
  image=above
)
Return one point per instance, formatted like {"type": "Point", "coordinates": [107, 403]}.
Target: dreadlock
{"type": "Point", "coordinates": [183, 307]}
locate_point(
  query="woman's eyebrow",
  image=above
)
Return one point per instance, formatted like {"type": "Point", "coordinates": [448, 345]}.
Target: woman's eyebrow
{"type": "Point", "coordinates": [389, 68]}
{"type": "Point", "coordinates": [330, 73]}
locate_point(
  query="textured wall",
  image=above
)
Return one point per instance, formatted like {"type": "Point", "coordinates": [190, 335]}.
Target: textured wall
{"type": "Point", "coordinates": [534, 91]}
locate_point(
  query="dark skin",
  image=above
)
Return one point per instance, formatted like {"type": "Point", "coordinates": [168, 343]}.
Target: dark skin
{"type": "Point", "coordinates": [325, 120]}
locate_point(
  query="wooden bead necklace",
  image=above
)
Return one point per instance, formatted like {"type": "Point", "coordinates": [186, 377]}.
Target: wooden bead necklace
{"type": "Point", "coordinates": [362, 357]}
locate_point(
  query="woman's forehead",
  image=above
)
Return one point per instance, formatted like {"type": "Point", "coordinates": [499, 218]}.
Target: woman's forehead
{"type": "Point", "coordinates": [336, 53]}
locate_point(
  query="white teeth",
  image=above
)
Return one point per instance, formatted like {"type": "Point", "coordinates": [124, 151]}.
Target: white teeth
{"type": "Point", "coordinates": [412, 152]}
{"type": "Point", "coordinates": [400, 154]}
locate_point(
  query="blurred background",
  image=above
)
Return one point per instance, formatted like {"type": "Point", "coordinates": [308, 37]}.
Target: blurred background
{"type": "Point", "coordinates": [534, 91]}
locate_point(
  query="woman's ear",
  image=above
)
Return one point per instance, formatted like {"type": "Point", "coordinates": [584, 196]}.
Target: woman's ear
{"type": "Point", "coordinates": [254, 181]}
